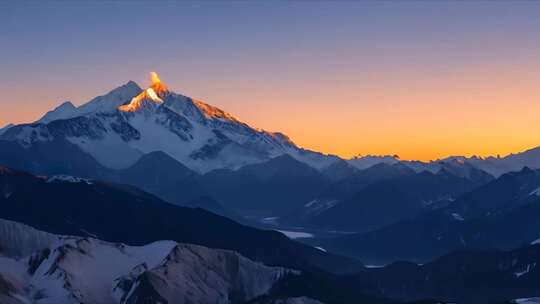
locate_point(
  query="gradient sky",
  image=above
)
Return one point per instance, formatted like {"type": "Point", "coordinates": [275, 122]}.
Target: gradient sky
{"type": "Point", "coordinates": [419, 79]}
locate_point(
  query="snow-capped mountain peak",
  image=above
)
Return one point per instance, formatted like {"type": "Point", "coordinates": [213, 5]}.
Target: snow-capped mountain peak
{"type": "Point", "coordinates": [137, 103]}
{"type": "Point", "coordinates": [158, 91]}
{"type": "Point", "coordinates": [112, 100]}
{"type": "Point", "coordinates": [101, 104]}
{"type": "Point", "coordinates": [116, 129]}
{"type": "Point", "coordinates": [119, 127]}
{"type": "Point", "coordinates": [152, 95]}
{"type": "Point", "coordinates": [63, 111]}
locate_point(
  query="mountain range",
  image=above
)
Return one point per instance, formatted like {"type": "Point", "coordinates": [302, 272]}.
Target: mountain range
{"type": "Point", "coordinates": [129, 120]}
{"type": "Point", "coordinates": [150, 196]}
{"type": "Point", "coordinates": [65, 239]}
{"type": "Point", "coordinates": [119, 213]}
{"type": "Point", "coordinates": [502, 214]}
{"type": "Point", "coordinates": [181, 149]}
{"type": "Point", "coordinates": [385, 202]}
{"type": "Point", "coordinates": [42, 267]}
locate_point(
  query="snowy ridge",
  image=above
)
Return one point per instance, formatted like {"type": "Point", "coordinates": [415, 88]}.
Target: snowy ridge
{"type": "Point", "coordinates": [66, 269]}
{"type": "Point", "coordinates": [18, 240]}
{"type": "Point", "coordinates": [110, 101]}
{"type": "Point", "coordinates": [364, 162]}
{"type": "Point", "coordinates": [188, 265]}
{"type": "Point", "coordinates": [105, 103]}
{"type": "Point", "coordinates": [63, 111]}
{"type": "Point", "coordinates": [211, 112]}
{"type": "Point", "coordinates": [495, 166]}
{"type": "Point", "coordinates": [460, 165]}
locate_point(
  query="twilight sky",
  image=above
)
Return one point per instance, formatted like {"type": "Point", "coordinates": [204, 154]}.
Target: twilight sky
{"type": "Point", "coordinates": [419, 79]}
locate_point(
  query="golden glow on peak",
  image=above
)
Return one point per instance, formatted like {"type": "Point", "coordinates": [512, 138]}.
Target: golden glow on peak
{"type": "Point", "coordinates": [154, 78]}
{"type": "Point", "coordinates": [213, 112]}
{"type": "Point", "coordinates": [153, 93]}
{"type": "Point", "coordinates": [156, 84]}
{"type": "Point", "coordinates": [137, 101]}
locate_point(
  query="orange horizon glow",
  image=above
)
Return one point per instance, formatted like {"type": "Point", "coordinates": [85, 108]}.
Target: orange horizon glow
{"type": "Point", "coordinates": [417, 118]}
{"type": "Point", "coordinates": [420, 79]}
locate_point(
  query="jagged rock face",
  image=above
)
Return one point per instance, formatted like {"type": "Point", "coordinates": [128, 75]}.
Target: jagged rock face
{"type": "Point", "coordinates": [121, 126]}
{"type": "Point", "coordinates": [234, 279]}
{"type": "Point", "coordinates": [85, 270]}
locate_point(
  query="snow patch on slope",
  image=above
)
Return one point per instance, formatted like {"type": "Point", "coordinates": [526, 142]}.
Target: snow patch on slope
{"type": "Point", "coordinates": [535, 192]}
{"type": "Point", "coordinates": [318, 206]}
{"type": "Point", "coordinates": [458, 217]}
{"type": "Point", "coordinates": [296, 234]}
{"type": "Point", "coordinates": [68, 179]}
{"type": "Point", "coordinates": [525, 270]}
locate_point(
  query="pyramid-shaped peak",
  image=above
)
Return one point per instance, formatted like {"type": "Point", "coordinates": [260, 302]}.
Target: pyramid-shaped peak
{"type": "Point", "coordinates": [63, 111]}
{"type": "Point", "coordinates": [153, 94]}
